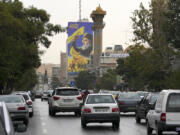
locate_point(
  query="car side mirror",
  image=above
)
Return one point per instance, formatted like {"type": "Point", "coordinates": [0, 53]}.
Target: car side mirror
{"type": "Point", "coordinates": [20, 128]}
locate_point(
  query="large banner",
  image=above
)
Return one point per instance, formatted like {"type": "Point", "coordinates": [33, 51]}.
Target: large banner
{"type": "Point", "coordinates": [79, 46]}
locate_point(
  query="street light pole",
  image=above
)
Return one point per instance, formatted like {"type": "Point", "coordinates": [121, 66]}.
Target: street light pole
{"type": "Point", "coordinates": [79, 10]}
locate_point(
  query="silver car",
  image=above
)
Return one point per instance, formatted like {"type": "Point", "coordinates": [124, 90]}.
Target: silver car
{"type": "Point", "coordinates": [6, 125]}
{"type": "Point", "coordinates": [65, 99]}
{"type": "Point", "coordinates": [100, 108]}
{"type": "Point", "coordinates": [17, 107]}
{"type": "Point", "coordinates": [28, 100]}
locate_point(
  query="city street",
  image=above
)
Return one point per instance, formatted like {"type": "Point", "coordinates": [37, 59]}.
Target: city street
{"type": "Point", "coordinates": [68, 124]}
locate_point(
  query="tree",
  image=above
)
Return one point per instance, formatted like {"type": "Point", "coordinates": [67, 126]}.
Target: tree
{"type": "Point", "coordinates": [143, 69]}
{"type": "Point", "coordinates": [55, 82]}
{"type": "Point", "coordinates": [85, 80]}
{"type": "Point", "coordinates": [173, 23]}
{"type": "Point", "coordinates": [22, 30]}
{"type": "Point", "coordinates": [108, 80]}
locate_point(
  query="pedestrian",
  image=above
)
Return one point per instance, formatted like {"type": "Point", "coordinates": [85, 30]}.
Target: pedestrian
{"type": "Point", "coordinates": [86, 92]}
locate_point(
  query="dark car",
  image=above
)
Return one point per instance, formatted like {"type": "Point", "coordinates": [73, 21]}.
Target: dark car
{"type": "Point", "coordinates": [145, 105]}
{"type": "Point", "coordinates": [127, 101]}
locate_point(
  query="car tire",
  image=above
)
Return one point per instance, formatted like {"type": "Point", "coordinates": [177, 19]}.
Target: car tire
{"type": "Point", "coordinates": [78, 113]}
{"type": "Point", "coordinates": [83, 124]}
{"type": "Point", "coordinates": [149, 129]}
{"type": "Point", "coordinates": [31, 114]}
{"type": "Point", "coordinates": [26, 122]}
{"type": "Point", "coordinates": [138, 120]}
{"type": "Point", "coordinates": [158, 131]}
{"type": "Point", "coordinates": [115, 125]}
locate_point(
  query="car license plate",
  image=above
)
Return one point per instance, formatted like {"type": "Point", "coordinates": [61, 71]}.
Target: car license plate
{"type": "Point", "coordinates": [30, 109]}
{"type": "Point", "coordinates": [101, 110]}
{"type": "Point", "coordinates": [178, 129]}
{"type": "Point", "coordinates": [68, 100]}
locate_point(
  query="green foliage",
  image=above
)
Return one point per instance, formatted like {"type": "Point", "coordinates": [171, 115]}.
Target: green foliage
{"type": "Point", "coordinates": [143, 69]}
{"type": "Point", "coordinates": [107, 81]}
{"type": "Point", "coordinates": [173, 81]}
{"type": "Point", "coordinates": [173, 23]}
{"type": "Point", "coordinates": [55, 83]}
{"type": "Point", "coordinates": [142, 25]}
{"type": "Point", "coordinates": [85, 80]}
{"type": "Point", "coordinates": [21, 31]}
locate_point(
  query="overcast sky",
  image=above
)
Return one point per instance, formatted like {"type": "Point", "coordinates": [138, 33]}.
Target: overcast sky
{"type": "Point", "coordinates": [116, 31]}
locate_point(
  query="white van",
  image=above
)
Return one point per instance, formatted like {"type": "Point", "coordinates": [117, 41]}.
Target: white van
{"type": "Point", "coordinates": [166, 115]}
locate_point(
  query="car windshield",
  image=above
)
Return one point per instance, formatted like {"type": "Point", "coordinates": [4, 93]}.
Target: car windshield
{"type": "Point", "coordinates": [99, 99]}
{"type": "Point", "coordinates": [11, 99]}
{"type": "Point", "coordinates": [173, 103]}
{"type": "Point", "coordinates": [67, 92]}
{"type": "Point", "coordinates": [130, 95]}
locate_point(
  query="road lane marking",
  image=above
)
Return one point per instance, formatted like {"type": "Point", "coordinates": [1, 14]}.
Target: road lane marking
{"type": "Point", "coordinates": [43, 123]}
{"type": "Point", "coordinates": [45, 131]}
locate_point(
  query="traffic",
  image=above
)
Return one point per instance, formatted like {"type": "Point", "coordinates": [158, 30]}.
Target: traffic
{"type": "Point", "coordinates": [160, 110]}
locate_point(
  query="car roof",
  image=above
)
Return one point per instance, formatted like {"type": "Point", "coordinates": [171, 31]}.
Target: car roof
{"type": "Point", "coordinates": [101, 94]}
{"type": "Point", "coordinates": [170, 91]}
{"type": "Point", "coordinates": [10, 95]}
{"type": "Point", "coordinates": [66, 88]}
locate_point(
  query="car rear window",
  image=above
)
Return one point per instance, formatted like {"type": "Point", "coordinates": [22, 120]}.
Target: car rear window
{"type": "Point", "coordinates": [11, 99]}
{"type": "Point", "coordinates": [129, 96]}
{"type": "Point", "coordinates": [173, 103]}
{"type": "Point", "coordinates": [67, 92]}
{"type": "Point", "coordinates": [98, 99]}
{"type": "Point", "coordinates": [153, 98]}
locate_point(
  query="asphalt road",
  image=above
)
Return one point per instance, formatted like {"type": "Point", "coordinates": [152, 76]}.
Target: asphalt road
{"type": "Point", "coordinates": [68, 124]}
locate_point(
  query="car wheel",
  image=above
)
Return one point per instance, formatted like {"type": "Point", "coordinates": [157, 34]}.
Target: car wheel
{"type": "Point", "coordinates": [149, 129]}
{"type": "Point", "coordinates": [158, 131]}
{"type": "Point", "coordinates": [78, 113]}
{"type": "Point", "coordinates": [83, 124]}
{"type": "Point", "coordinates": [138, 120]}
{"type": "Point", "coordinates": [31, 114]}
{"type": "Point", "coordinates": [115, 125]}
{"type": "Point", "coordinates": [26, 122]}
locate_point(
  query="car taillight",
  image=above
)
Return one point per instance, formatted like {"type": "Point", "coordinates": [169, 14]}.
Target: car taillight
{"type": "Point", "coordinates": [121, 103]}
{"type": "Point", "coordinates": [56, 98]}
{"type": "Point", "coordinates": [79, 98]}
{"type": "Point", "coordinates": [115, 109]}
{"type": "Point", "coordinates": [29, 102]}
{"type": "Point", "coordinates": [163, 117]}
{"type": "Point", "coordinates": [82, 94]}
{"type": "Point", "coordinates": [87, 110]}
{"type": "Point", "coordinates": [21, 108]}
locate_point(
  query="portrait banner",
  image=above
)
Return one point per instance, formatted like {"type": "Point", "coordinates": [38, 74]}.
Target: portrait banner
{"type": "Point", "coordinates": [79, 46]}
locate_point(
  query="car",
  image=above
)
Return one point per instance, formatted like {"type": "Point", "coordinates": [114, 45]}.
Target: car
{"type": "Point", "coordinates": [114, 93]}
{"type": "Point", "coordinates": [28, 101]}
{"type": "Point", "coordinates": [142, 93]}
{"type": "Point", "coordinates": [17, 108]}
{"type": "Point", "coordinates": [44, 95]}
{"type": "Point", "coordinates": [127, 101]}
{"type": "Point", "coordinates": [38, 94]}
{"type": "Point", "coordinates": [6, 125]}
{"type": "Point", "coordinates": [143, 107]}
{"type": "Point", "coordinates": [166, 114]}
{"type": "Point", "coordinates": [100, 108]}
{"type": "Point", "coordinates": [65, 99]}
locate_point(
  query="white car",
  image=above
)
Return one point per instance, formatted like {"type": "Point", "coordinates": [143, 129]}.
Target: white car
{"type": "Point", "coordinates": [65, 99]}
{"type": "Point", "coordinates": [28, 100]}
{"type": "Point", "coordinates": [100, 108]}
{"type": "Point", "coordinates": [166, 115]}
